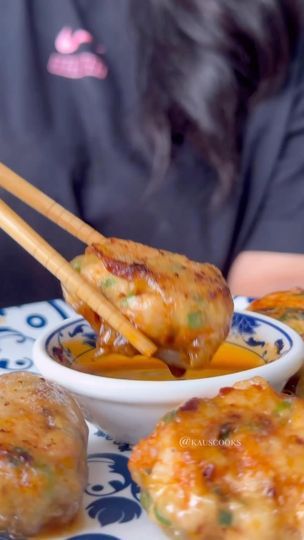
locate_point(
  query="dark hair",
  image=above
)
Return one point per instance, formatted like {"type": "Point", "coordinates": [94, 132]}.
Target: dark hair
{"type": "Point", "coordinates": [203, 64]}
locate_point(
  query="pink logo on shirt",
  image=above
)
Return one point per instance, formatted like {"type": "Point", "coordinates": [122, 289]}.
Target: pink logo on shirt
{"type": "Point", "coordinates": [65, 63]}
{"type": "Point", "coordinates": [68, 41]}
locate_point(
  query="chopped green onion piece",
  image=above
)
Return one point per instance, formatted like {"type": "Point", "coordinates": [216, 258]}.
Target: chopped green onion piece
{"type": "Point", "coordinates": [283, 406]}
{"type": "Point", "coordinates": [145, 500]}
{"type": "Point", "coordinates": [76, 264]}
{"type": "Point", "coordinates": [169, 417]}
{"type": "Point", "coordinates": [164, 521]}
{"type": "Point", "coordinates": [126, 302]}
{"type": "Point", "coordinates": [108, 282]}
{"type": "Point", "coordinates": [48, 473]}
{"type": "Point", "coordinates": [195, 319]}
{"type": "Point", "coordinates": [225, 518]}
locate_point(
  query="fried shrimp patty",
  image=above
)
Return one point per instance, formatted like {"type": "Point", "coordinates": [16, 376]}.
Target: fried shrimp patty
{"type": "Point", "coordinates": [286, 306]}
{"type": "Point", "coordinates": [227, 468]}
{"type": "Point", "coordinates": [185, 307]}
{"type": "Point", "coordinates": [43, 443]}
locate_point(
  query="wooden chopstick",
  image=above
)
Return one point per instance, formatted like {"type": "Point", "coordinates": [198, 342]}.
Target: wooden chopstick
{"type": "Point", "coordinates": [45, 205]}
{"type": "Point", "coordinates": [34, 244]}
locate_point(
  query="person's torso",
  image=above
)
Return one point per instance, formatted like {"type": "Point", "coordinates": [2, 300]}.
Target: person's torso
{"type": "Point", "coordinates": [68, 110]}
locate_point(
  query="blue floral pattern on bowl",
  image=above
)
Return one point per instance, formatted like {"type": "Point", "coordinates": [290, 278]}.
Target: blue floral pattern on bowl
{"type": "Point", "coordinates": [247, 330]}
{"type": "Point", "coordinates": [267, 341]}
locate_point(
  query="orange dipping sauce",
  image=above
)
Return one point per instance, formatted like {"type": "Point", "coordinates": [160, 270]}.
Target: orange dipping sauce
{"type": "Point", "coordinates": [229, 358]}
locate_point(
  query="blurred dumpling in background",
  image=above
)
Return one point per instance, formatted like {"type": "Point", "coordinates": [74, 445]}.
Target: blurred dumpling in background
{"type": "Point", "coordinates": [286, 306]}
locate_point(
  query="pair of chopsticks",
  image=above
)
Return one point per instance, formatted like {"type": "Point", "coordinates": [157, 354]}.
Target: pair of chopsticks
{"type": "Point", "coordinates": [36, 246]}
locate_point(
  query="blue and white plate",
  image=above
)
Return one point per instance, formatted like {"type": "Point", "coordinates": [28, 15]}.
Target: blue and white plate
{"type": "Point", "coordinates": [111, 508]}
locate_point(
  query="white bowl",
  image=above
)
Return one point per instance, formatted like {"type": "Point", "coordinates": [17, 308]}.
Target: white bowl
{"type": "Point", "coordinates": [129, 409]}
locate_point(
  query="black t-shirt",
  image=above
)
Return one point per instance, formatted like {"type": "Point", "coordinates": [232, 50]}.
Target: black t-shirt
{"type": "Point", "coordinates": [68, 106]}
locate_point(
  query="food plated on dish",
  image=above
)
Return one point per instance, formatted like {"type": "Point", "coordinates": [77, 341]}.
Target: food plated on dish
{"type": "Point", "coordinates": [211, 491]}
{"type": "Point", "coordinates": [184, 307]}
{"type": "Point", "coordinates": [43, 446]}
{"type": "Point", "coordinates": [286, 306]}
{"type": "Point", "coordinates": [129, 408]}
{"type": "Point", "coordinates": [176, 313]}
{"type": "Point", "coordinates": [227, 468]}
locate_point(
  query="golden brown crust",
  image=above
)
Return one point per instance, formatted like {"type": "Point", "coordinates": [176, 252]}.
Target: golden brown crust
{"type": "Point", "coordinates": [183, 306]}
{"type": "Point", "coordinates": [227, 468]}
{"type": "Point", "coordinates": [286, 306]}
{"type": "Point", "coordinates": [43, 442]}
